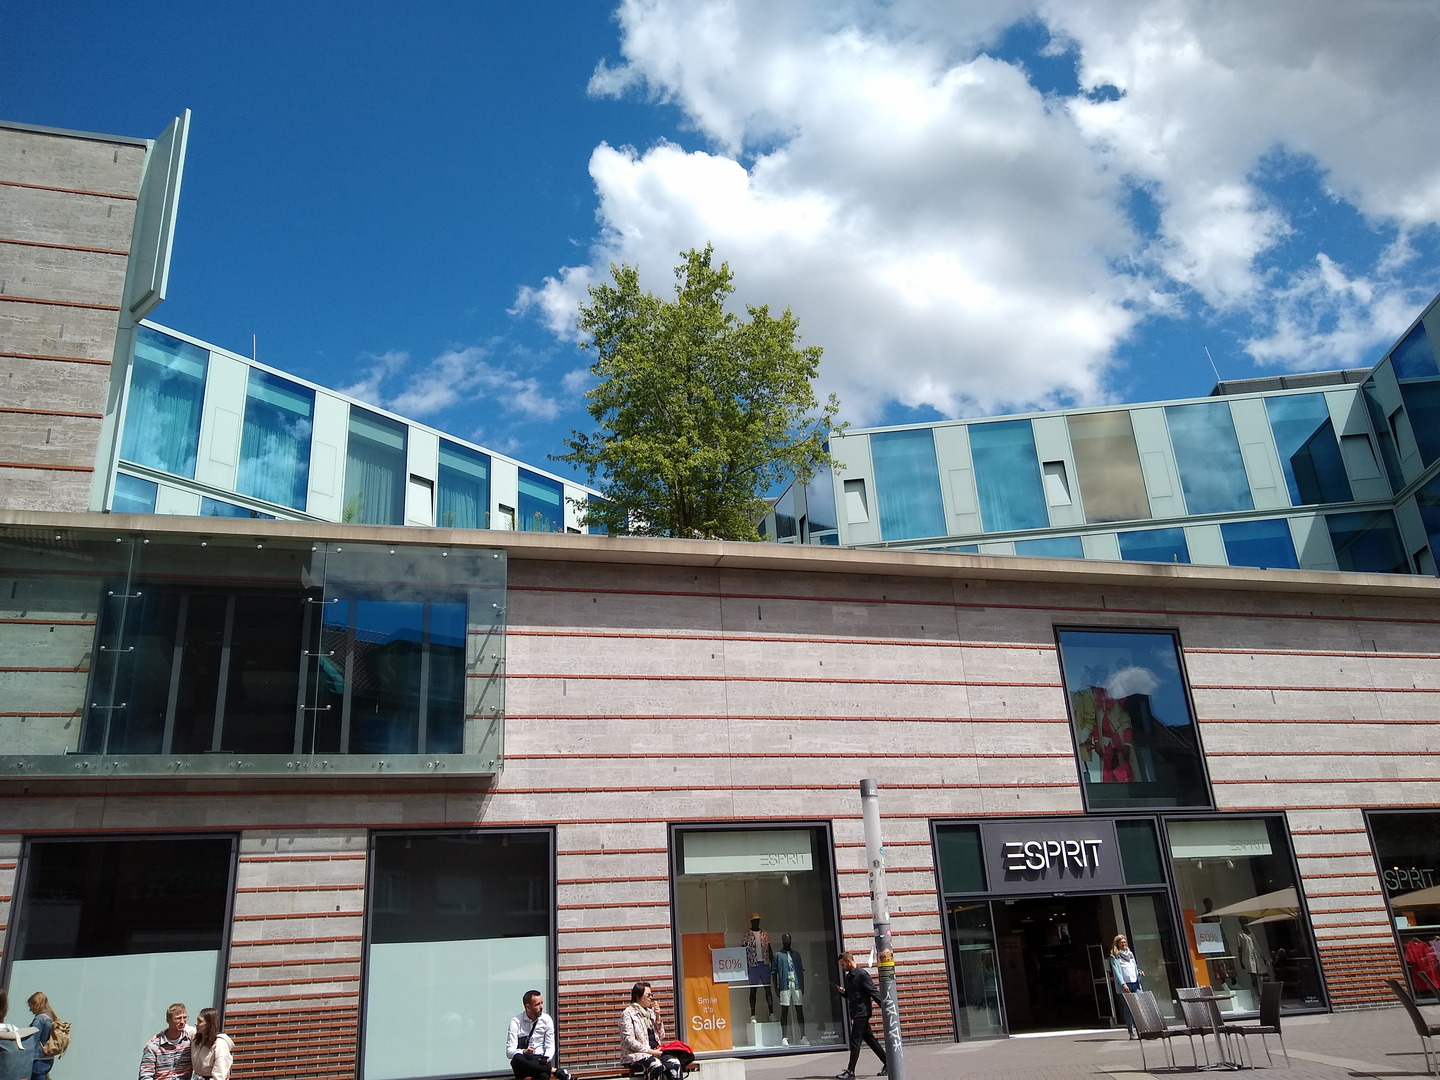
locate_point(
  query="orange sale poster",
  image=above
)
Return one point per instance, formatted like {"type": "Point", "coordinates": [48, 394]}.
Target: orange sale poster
{"type": "Point", "coordinates": [707, 1003]}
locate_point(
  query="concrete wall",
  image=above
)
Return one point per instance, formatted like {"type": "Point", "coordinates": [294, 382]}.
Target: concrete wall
{"type": "Point", "coordinates": [67, 209]}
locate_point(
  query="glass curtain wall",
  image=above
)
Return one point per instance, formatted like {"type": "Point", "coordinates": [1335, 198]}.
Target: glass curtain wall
{"type": "Point", "coordinates": [374, 470]}
{"type": "Point", "coordinates": [1415, 369]}
{"type": "Point", "coordinates": [1407, 849]}
{"type": "Point", "coordinates": [1154, 545]}
{"type": "Point", "coordinates": [1240, 906]}
{"type": "Point", "coordinates": [755, 914]}
{"type": "Point", "coordinates": [1368, 542]}
{"type": "Point", "coordinates": [1136, 740]}
{"type": "Point", "coordinates": [1264, 544]}
{"type": "Point", "coordinates": [162, 413]}
{"type": "Point", "coordinates": [907, 482]}
{"type": "Point", "coordinates": [1428, 501]}
{"type": "Point", "coordinates": [275, 444]}
{"type": "Point", "coordinates": [1052, 547]}
{"type": "Point", "coordinates": [464, 496]}
{"type": "Point", "coordinates": [820, 508]}
{"type": "Point", "coordinates": [219, 508]}
{"type": "Point", "coordinates": [1112, 487]}
{"type": "Point", "coordinates": [1207, 454]}
{"type": "Point", "coordinates": [542, 504]}
{"type": "Point", "coordinates": [114, 931]}
{"type": "Point", "coordinates": [1309, 452]}
{"type": "Point", "coordinates": [1380, 421]}
{"type": "Point", "coordinates": [1007, 476]}
{"type": "Point", "coordinates": [460, 925]}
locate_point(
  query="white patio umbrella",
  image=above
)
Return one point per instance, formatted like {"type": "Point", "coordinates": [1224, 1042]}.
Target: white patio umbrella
{"type": "Point", "coordinates": [1280, 902]}
{"type": "Point", "coordinates": [1420, 898]}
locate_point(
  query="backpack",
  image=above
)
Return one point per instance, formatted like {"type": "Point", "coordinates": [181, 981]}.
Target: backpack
{"type": "Point", "coordinates": [59, 1040]}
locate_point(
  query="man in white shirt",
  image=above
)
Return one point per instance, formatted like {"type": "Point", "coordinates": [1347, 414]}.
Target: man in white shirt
{"type": "Point", "coordinates": [530, 1043]}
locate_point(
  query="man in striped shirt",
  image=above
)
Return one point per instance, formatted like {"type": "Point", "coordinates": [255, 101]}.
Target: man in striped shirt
{"type": "Point", "coordinates": [167, 1055]}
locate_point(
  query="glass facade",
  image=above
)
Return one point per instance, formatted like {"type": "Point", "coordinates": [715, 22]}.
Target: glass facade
{"type": "Point", "coordinates": [907, 480]}
{"type": "Point", "coordinates": [1112, 487]}
{"type": "Point", "coordinates": [1264, 544]}
{"type": "Point", "coordinates": [460, 925]}
{"type": "Point", "coordinates": [786, 526]}
{"type": "Point", "coordinates": [542, 504]}
{"type": "Point", "coordinates": [133, 495]}
{"type": "Point", "coordinates": [1368, 542]}
{"type": "Point", "coordinates": [275, 443]}
{"type": "Point", "coordinates": [1154, 545]}
{"type": "Point", "coordinates": [1407, 849]}
{"type": "Point", "coordinates": [1380, 421]}
{"type": "Point", "coordinates": [1007, 476]}
{"type": "Point", "coordinates": [1309, 452]}
{"type": "Point", "coordinates": [374, 470]}
{"type": "Point", "coordinates": [219, 508]}
{"type": "Point", "coordinates": [464, 490]}
{"type": "Point", "coordinates": [1419, 377]}
{"type": "Point", "coordinates": [1428, 501]}
{"type": "Point", "coordinates": [1207, 455]}
{"type": "Point", "coordinates": [162, 410]}
{"type": "Point", "coordinates": [113, 931]}
{"type": "Point", "coordinates": [820, 509]}
{"type": "Point", "coordinates": [757, 928]}
{"type": "Point", "coordinates": [1241, 909]}
{"type": "Point", "coordinates": [1136, 740]}
{"type": "Point", "coordinates": [1052, 547]}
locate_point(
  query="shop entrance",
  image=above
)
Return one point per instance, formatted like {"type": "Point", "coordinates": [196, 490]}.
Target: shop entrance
{"type": "Point", "coordinates": [1052, 960]}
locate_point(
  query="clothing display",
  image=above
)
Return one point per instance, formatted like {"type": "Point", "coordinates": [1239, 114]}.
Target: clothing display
{"type": "Point", "coordinates": [790, 984]}
{"type": "Point", "coordinates": [758, 956]}
{"type": "Point", "coordinates": [1424, 965]}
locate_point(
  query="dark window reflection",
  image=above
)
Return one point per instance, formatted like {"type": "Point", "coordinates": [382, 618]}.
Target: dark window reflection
{"type": "Point", "coordinates": [1422, 405]}
{"type": "Point", "coordinates": [1367, 542]}
{"type": "Point", "coordinates": [1137, 742]}
{"type": "Point", "coordinates": [1154, 545]}
{"type": "Point", "coordinates": [1428, 500]}
{"type": "Point", "coordinates": [130, 673]}
{"type": "Point", "coordinates": [1309, 453]}
{"type": "Point", "coordinates": [1263, 544]}
{"type": "Point", "coordinates": [262, 687]}
{"type": "Point", "coordinates": [1379, 420]}
{"type": "Point", "coordinates": [1408, 849]}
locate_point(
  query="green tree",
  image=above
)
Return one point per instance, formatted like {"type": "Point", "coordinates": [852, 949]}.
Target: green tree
{"type": "Point", "coordinates": [698, 412]}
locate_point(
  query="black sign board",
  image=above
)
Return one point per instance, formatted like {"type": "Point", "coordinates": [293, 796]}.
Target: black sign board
{"type": "Point", "coordinates": [1051, 855]}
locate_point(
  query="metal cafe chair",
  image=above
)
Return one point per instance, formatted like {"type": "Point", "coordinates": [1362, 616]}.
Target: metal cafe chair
{"type": "Point", "coordinates": [1423, 1027]}
{"type": "Point", "coordinates": [1150, 1025]}
{"type": "Point", "coordinates": [1269, 1022]}
{"type": "Point", "coordinates": [1197, 1020]}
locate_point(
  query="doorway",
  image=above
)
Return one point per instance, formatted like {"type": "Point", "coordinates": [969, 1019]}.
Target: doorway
{"type": "Point", "coordinates": [1049, 949]}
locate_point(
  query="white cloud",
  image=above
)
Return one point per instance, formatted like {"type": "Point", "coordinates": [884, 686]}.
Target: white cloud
{"type": "Point", "coordinates": [378, 368]}
{"type": "Point", "coordinates": [954, 238]}
{"type": "Point", "coordinates": [455, 377]}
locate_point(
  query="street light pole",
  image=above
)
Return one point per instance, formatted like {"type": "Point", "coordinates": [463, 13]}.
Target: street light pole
{"type": "Point", "coordinates": [880, 914]}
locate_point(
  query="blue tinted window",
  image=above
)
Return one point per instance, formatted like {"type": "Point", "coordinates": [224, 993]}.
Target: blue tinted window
{"type": "Point", "coordinates": [1422, 404]}
{"type": "Point", "coordinates": [1309, 454]}
{"type": "Point", "coordinates": [1208, 457]}
{"type": "Point", "coordinates": [1007, 476]}
{"type": "Point", "coordinates": [1266, 544]}
{"type": "Point", "coordinates": [1154, 545]}
{"type": "Point", "coordinates": [820, 504]}
{"type": "Point", "coordinates": [220, 508]}
{"type": "Point", "coordinates": [1381, 423]}
{"type": "Point", "coordinates": [785, 526]}
{"type": "Point", "coordinates": [1367, 542]}
{"type": "Point", "coordinates": [162, 416]}
{"type": "Point", "coordinates": [1053, 547]}
{"type": "Point", "coordinates": [1413, 358]}
{"type": "Point", "coordinates": [1428, 499]}
{"type": "Point", "coordinates": [374, 470]}
{"type": "Point", "coordinates": [601, 529]}
{"type": "Point", "coordinates": [907, 481]}
{"type": "Point", "coordinates": [542, 504]}
{"type": "Point", "coordinates": [463, 499]}
{"type": "Point", "coordinates": [133, 495]}
{"type": "Point", "coordinates": [275, 448]}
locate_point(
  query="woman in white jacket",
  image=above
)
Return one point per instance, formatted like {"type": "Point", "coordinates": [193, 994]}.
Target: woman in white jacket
{"type": "Point", "coordinates": [212, 1052]}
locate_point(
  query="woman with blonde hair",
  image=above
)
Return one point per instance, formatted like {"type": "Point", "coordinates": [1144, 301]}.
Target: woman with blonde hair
{"type": "Point", "coordinates": [212, 1052]}
{"type": "Point", "coordinates": [44, 1019]}
{"type": "Point", "coordinates": [1127, 973]}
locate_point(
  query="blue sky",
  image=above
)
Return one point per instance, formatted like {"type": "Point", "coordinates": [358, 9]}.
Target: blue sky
{"type": "Point", "coordinates": [974, 208]}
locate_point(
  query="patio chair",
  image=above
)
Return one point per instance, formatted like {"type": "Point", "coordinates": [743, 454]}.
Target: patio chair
{"type": "Point", "coordinates": [1213, 1022]}
{"type": "Point", "coordinates": [1423, 1027]}
{"type": "Point", "coordinates": [1269, 1022]}
{"type": "Point", "coordinates": [1149, 1024]}
{"type": "Point", "coordinates": [1197, 1020]}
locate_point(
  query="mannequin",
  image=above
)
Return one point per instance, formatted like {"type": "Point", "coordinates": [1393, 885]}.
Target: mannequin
{"type": "Point", "coordinates": [758, 958]}
{"type": "Point", "coordinates": [1252, 959]}
{"type": "Point", "coordinates": [790, 981]}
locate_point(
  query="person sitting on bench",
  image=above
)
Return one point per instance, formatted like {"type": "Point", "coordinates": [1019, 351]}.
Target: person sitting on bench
{"type": "Point", "coordinates": [530, 1042]}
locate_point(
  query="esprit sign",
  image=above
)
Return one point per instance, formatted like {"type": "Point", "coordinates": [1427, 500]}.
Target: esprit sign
{"type": "Point", "coordinates": [1051, 855]}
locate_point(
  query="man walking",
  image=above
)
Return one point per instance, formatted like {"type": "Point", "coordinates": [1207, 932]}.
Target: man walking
{"type": "Point", "coordinates": [530, 1043]}
{"type": "Point", "coordinates": [167, 1055]}
{"type": "Point", "coordinates": [860, 994]}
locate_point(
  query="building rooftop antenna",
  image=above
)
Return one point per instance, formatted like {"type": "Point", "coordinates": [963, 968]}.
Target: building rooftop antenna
{"type": "Point", "coordinates": [1212, 363]}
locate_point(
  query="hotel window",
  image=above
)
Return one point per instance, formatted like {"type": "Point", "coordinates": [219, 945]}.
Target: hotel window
{"type": "Point", "coordinates": [1154, 545]}
{"type": "Point", "coordinates": [1136, 739]}
{"type": "Point", "coordinates": [464, 488]}
{"type": "Point", "coordinates": [1007, 476]}
{"type": "Point", "coordinates": [275, 445]}
{"type": "Point", "coordinates": [1240, 906]}
{"type": "Point", "coordinates": [1263, 544]}
{"type": "Point", "coordinates": [1207, 454]}
{"type": "Point", "coordinates": [542, 503]}
{"type": "Point", "coordinates": [907, 483]}
{"type": "Point", "coordinates": [162, 415]}
{"type": "Point", "coordinates": [1112, 486]}
{"type": "Point", "coordinates": [1367, 542]}
{"type": "Point", "coordinates": [460, 925]}
{"type": "Point", "coordinates": [758, 933]}
{"type": "Point", "coordinates": [114, 931]}
{"type": "Point", "coordinates": [1309, 452]}
{"type": "Point", "coordinates": [1407, 847]}
{"type": "Point", "coordinates": [374, 470]}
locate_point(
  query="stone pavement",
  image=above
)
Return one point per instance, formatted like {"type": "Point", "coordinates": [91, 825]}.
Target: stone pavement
{"type": "Point", "coordinates": [1368, 1043]}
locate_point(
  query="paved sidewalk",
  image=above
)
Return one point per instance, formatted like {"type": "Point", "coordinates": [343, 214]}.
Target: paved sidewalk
{"type": "Point", "coordinates": [1372, 1043]}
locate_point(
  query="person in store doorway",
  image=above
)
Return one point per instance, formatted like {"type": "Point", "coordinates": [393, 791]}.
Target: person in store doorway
{"type": "Point", "coordinates": [861, 997]}
{"type": "Point", "coordinates": [530, 1042]}
{"type": "Point", "coordinates": [1126, 970]}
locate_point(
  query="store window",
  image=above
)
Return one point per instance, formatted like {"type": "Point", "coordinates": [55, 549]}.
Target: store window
{"type": "Point", "coordinates": [542, 503]}
{"type": "Point", "coordinates": [1007, 476]}
{"type": "Point", "coordinates": [1112, 486]}
{"type": "Point", "coordinates": [1407, 849]}
{"type": "Point", "coordinates": [374, 470]}
{"type": "Point", "coordinates": [1264, 544]}
{"type": "Point", "coordinates": [275, 444]}
{"type": "Point", "coordinates": [162, 415]}
{"type": "Point", "coordinates": [1135, 735]}
{"type": "Point", "coordinates": [1309, 452]}
{"type": "Point", "coordinates": [1240, 906]}
{"type": "Point", "coordinates": [1368, 542]}
{"type": "Point", "coordinates": [907, 480]}
{"type": "Point", "coordinates": [459, 926]}
{"type": "Point", "coordinates": [114, 931]}
{"type": "Point", "coordinates": [1207, 454]}
{"type": "Point", "coordinates": [757, 921]}
{"type": "Point", "coordinates": [464, 490]}
{"type": "Point", "coordinates": [1154, 545]}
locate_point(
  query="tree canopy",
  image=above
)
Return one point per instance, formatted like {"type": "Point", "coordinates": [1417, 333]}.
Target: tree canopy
{"type": "Point", "coordinates": [698, 412]}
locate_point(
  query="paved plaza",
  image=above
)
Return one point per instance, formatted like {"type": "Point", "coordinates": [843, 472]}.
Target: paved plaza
{"type": "Point", "coordinates": [1373, 1042]}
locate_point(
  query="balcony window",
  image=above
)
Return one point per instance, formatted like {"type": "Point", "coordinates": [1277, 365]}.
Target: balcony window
{"type": "Point", "coordinates": [1207, 455]}
{"type": "Point", "coordinates": [1309, 452]}
{"type": "Point", "coordinates": [907, 482]}
{"type": "Point", "coordinates": [162, 413]}
{"type": "Point", "coordinates": [464, 488]}
{"type": "Point", "coordinates": [374, 470]}
{"type": "Point", "coordinates": [1154, 545]}
{"type": "Point", "coordinates": [275, 444]}
{"type": "Point", "coordinates": [1263, 544]}
{"type": "Point", "coordinates": [1007, 476]}
{"type": "Point", "coordinates": [542, 503]}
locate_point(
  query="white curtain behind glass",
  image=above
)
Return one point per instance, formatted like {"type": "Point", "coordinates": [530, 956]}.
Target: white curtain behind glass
{"type": "Point", "coordinates": [162, 417]}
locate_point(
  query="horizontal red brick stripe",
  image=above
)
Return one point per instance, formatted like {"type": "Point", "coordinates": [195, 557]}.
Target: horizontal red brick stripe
{"type": "Point", "coordinates": [609, 880]}
{"type": "Point", "coordinates": [801, 679]}
{"type": "Point", "coordinates": [808, 639]}
{"type": "Point", "coordinates": [239, 943]}
{"type": "Point", "coordinates": [58, 303]}
{"type": "Point", "coordinates": [337, 857]}
{"type": "Point", "coordinates": [295, 888]}
{"type": "Point", "coordinates": [300, 915]}
{"type": "Point", "coordinates": [1350, 722]}
{"type": "Point", "coordinates": [793, 755]}
{"type": "Point", "coordinates": [612, 904]}
{"type": "Point", "coordinates": [52, 412]}
{"type": "Point", "coordinates": [1309, 753]}
{"type": "Point", "coordinates": [611, 851]}
{"type": "Point", "coordinates": [70, 191]}
{"type": "Point", "coordinates": [47, 622]}
{"type": "Point", "coordinates": [612, 929]}
{"type": "Point", "coordinates": [1330, 780]}
{"type": "Point", "coordinates": [1356, 654]}
{"type": "Point", "coordinates": [659, 947]}
{"type": "Point", "coordinates": [299, 962]}
{"type": "Point", "coordinates": [56, 468]}
{"type": "Point", "coordinates": [61, 247]}
{"type": "Point", "coordinates": [1325, 689]}
{"type": "Point", "coordinates": [778, 717]}
{"type": "Point", "coordinates": [46, 670]}
{"type": "Point", "coordinates": [289, 997]}
{"type": "Point", "coordinates": [38, 715]}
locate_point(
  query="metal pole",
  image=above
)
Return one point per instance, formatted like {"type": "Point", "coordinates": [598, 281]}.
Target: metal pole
{"type": "Point", "coordinates": [880, 913]}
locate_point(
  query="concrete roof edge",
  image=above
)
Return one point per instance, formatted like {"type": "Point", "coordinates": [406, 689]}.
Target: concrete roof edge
{"type": "Point", "coordinates": [92, 136]}
{"type": "Point", "coordinates": [568, 547]}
